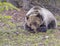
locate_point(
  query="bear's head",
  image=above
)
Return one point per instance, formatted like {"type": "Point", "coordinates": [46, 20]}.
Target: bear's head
{"type": "Point", "coordinates": [34, 21]}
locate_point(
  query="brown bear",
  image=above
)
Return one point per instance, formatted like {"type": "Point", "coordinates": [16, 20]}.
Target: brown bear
{"type": "Point", "coordinates": [39, 19]}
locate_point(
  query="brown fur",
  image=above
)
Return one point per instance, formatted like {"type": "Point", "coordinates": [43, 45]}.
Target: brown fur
{"type": "Point", "coordinates": [40, 19]}
{"type": "Point", "coordinates": [34, 22]}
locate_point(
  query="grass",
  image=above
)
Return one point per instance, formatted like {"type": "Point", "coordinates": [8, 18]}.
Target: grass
{"type": "Point", "coordinates": [12, 36]}
{"type": "Point", "coordinates": [7, 6]}
{"type": "Point", "coordinates": [24, 38]}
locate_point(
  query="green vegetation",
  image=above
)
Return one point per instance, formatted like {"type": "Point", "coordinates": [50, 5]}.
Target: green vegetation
{"type": "Point", "coordinates": [7, 6]}
{"type": "Point", "coordinates": [12, 36]}
{"type": "Point", "coordinates": [58, 19]}
{"type": "Point", "coordinates": [28, 39]}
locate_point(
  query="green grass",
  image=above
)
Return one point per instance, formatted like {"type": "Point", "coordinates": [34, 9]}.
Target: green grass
{"type": "Point", "coordinates": [7, 6]}
{"type": "Point", "coordinates": [10, 35]}
{"type": "Point", "coordinates": [24, 38]}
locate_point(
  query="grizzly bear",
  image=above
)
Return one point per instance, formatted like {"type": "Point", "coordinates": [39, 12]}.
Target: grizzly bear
{"type": "Point", "coordinates": [39, 19]}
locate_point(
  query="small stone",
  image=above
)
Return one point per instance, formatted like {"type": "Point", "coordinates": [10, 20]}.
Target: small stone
{"type": "Point", "coordinates": [46, 37]}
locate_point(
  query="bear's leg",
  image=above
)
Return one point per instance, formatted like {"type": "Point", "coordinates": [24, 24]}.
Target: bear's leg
{"type": "Point", "coordinates": [52, 25]}
{"type": "Point", "coordinates": [42, 28]}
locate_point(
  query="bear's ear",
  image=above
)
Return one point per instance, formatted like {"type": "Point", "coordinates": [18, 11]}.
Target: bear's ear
{"type": "Point", "coordinates": [39, 16]}
{"type": "Point", "coordinates": [27, 17]}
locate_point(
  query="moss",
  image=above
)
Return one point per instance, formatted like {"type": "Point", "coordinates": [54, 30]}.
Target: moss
{"type": "Point", "coordinates": [7, 6]}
